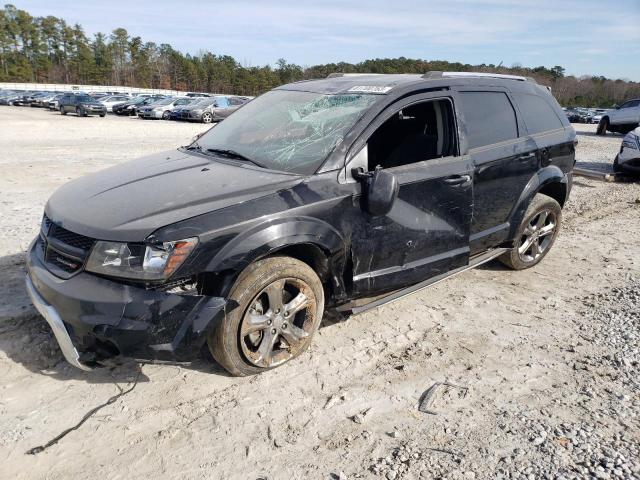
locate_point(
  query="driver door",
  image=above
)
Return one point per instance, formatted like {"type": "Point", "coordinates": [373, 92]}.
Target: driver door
{"type": "Point", "coordinates": [426, 233]}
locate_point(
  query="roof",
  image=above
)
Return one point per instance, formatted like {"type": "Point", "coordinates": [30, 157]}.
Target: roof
{"type": "Point", "coordinates": [381, 84]}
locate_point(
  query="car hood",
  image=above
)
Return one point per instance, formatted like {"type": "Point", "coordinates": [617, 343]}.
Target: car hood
{"type": "Point", "coordinates": [130, 201]}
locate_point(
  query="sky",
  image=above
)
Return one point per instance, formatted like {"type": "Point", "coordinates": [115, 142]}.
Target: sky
{"type": "Point", "coordinates": [599, 37]}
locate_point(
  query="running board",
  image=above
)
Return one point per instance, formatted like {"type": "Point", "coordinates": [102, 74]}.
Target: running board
{"type": "Point", "coordinates": [473, 262]}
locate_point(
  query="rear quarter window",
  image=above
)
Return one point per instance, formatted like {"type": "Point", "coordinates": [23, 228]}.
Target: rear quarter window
{"type": "Point", "coordinates": [538, 115]}
{"type": "Point", "coordinates": [489, 117]}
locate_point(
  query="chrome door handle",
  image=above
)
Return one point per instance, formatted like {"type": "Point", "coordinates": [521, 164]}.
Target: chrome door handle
{"type": "Point", "coordinates": [457, 179]}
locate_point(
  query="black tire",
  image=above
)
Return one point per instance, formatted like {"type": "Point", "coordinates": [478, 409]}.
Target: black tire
{"type": "Point", "coordinates": [530, 233]}
{"type": "Point", "coordinates": [166, 115]}
{"type": "Point", "coordinates": [616, 165]}
{"type": "Point", "coordinates": [238, 350]}
{"type": "Point", "coordinates": [102, 115]}
{"type": "Point", "coordinates": [79, 112]}
{"type": "Point", "coordinates": [603, 126]}
{"type": "Point", "coordinates": [63, 111]}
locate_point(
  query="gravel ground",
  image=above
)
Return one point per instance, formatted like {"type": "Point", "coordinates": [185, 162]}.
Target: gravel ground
{"type": "Point", "coordinates": [539, 369]}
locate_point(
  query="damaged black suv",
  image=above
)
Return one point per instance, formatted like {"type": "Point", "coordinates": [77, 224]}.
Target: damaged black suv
{"type": "Point", "coordinates": [341, 193]}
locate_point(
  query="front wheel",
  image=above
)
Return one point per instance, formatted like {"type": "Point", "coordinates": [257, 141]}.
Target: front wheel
{"type": "Point", "coordinates": [280, 302]}
{"type": "Point", "coordinates": [63, 111]}
{"type": "Point", "coordinates": [79, 112]}
{"type": "Point", "coordinates": [166, 114]}
{"type": "Point", "coordinates": [536, 234]}
{"type": "Point", "coordinates": [207, 117]}
{"type": "Point", "coordinates": [603, 126]}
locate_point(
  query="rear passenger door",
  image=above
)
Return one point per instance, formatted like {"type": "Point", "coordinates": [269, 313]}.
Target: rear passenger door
{"type": "Point", "coordinates": [504, 161]}
{"type": "Point", "coordinates": [544, 124]}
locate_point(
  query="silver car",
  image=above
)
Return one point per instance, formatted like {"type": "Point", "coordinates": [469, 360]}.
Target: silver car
{"type": "Point", "coordinates": [162, 108]}
{"type": "Point", "coordinates": [621, 120]}
{"type": "Point", "coordinates": [628, 160]}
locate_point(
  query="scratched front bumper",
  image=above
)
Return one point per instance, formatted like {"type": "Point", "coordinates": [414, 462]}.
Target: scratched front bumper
{"type": "Point", "coordinates": [106, 319]}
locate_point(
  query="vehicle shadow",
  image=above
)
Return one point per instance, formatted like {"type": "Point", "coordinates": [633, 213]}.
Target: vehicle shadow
{"type": "Point", "coordinates": [594, 134]}
{"type": "Point", "coordinates": [27, 339]}
{"type": "Point", "coordinates": [596, 166]}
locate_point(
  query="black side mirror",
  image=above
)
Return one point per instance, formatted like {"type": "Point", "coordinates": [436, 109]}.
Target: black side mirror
{"type": "Point", "coordinates": [381, 190]}
{"type": "Point", "coordinates": [616, 106]}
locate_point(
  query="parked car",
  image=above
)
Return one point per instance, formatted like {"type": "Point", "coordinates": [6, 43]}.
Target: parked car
{"type": "Point", "coordinates": [598, 114]}
{"type": "Point", "coordinates": [162, 108]}
{"type": "Point", "coordinates": [54, 103]}
{"type": "Point", "coordinates": [211, 109]}
{"type": "Point", "coordinates": [628, 159]}
{"type": "Point", "coordinates": [310, 197]}
{"type": "Point", "coordinates": [22, 99]}
{"type": "Point", "coordinates": [129, 107]}
{"type": "Point", "coordinates": [574, 116]}
{"type": "Point", "coordinates": [111, 100]}
{"type": "Point", "coordinates": [623, 119]}
{"type": "Point", "coordinates": [42, 101]}
{"type": "Point", "coordinates": [81, 105]}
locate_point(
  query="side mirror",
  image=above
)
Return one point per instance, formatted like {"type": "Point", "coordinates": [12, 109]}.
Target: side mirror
{"type": "Point", "coordinates": [381, 190]}
{"type": "Point", "coordinates": [616, 106]}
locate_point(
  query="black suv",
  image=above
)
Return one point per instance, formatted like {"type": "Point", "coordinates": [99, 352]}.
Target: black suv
{"type": "Point", "coordinates": [81, 104]}
{"type": "Point", "coordinates": [316, 195]}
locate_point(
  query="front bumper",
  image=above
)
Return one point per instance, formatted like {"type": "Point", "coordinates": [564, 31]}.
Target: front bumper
{"type": "Point", "coordinates": [95, 319]}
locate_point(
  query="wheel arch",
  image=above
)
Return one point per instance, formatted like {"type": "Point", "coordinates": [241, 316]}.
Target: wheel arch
{"type": "Point", "coordinates": [307, 239]}
{"type": "Point", "coordinates": [550, 181]}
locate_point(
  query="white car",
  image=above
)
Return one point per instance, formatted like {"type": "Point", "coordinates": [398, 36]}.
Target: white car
{"type": "Point", "coordinates": [621, 120]}
{"type": "Point", "coordinates": [628, 160]}
{"type": "Point", "coordinates": [109, 102]}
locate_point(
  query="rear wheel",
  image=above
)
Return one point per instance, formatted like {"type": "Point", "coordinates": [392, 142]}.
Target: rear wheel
{"type": "Point", "coordinates": [166, 114]}
{"type": "Point", "coordinates": [603, 126]}
{"type": "Point", "coordinates": [616, 165]}
{"type": "Point", "coordinates": [536, 234]}
{"type": "Point", "coordinates": [280, 305]}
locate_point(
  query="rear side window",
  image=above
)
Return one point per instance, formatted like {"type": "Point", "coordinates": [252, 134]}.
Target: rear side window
{"type": "Point", "coordinates": [489, 118]}
{"type": "Point", "coordinates": [538, 115]}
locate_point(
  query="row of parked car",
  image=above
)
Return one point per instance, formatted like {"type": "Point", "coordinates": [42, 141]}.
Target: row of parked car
{"type": "Point", "coordinates": [194, 107]}
{"type": "Point", "coordinates": [584, 115]}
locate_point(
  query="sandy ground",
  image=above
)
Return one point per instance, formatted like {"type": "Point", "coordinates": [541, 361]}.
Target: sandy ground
{"type": "Point", "coordinates": [548, 357]}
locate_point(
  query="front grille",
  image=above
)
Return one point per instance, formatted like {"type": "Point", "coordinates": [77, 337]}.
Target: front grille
{"type": "Point", "coordinates": [70, 238]}
{"type": "Point", "coordinates": [64, 251]}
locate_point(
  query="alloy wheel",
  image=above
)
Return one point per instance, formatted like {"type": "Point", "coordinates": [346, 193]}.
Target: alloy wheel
{"type": "Point", "coordinates": [207, 118]}
{"type": "Point", "coordinates": [278, 322]}
{"type": "Point", "coordinates": [537, 236]}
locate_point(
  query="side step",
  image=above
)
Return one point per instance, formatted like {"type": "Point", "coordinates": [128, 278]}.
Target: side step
{"type": "Point", "coordinates": [473, 262]}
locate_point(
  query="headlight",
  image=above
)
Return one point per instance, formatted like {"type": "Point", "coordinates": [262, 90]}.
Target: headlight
{"type": "Point", "coordinates": [631, 141]}
{"type": "Point", "coordinates": [139, 262]}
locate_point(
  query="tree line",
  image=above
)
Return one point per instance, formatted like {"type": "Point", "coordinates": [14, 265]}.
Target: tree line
{"type": "Point", "coordinates": [48, 50]}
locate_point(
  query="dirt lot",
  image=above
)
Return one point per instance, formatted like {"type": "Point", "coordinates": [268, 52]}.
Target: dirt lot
{"type": "Point", "coordinates": [549, 357]}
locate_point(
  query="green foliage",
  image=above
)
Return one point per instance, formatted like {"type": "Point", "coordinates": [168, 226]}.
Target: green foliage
{"type": "Point", "coordinates": [46, 49]}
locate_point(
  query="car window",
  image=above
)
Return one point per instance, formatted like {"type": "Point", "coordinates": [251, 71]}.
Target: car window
{"type": "Point", "coordinates": [538, 115]}
{"type": "Point", "coordinates": [235, 101]}
{"type": "Point", "coordinates": [421, 131]}
{"type": "Point", "coordinates": [222, 102]}
{"type": "Point", "coordinates": [632, 103]}
{"type": "Point", "coordinates": [489, 117]}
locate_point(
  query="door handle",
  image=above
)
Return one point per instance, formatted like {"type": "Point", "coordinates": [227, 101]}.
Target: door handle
{"type": "Point", "coordinates": [526, 156]}
{"type": "Point", "coordinates": [457, 179]}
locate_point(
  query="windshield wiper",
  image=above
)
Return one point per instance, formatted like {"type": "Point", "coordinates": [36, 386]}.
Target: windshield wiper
{"type": "Point", "coordinates": [234, 154]}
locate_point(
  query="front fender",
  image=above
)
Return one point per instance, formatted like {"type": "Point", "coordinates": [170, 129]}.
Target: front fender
{"type": "Point", "coordinates": [272, 235]}
{"type": "Point", "coordinates": [544, 176]}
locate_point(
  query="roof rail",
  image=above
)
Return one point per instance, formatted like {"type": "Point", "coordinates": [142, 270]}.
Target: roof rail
{"type": "Point", "coordinates": [338, 74]}
{"type": "Point", "coordinates": [477, 74]}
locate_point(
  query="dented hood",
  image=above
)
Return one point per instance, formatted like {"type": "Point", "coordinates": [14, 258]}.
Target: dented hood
{"type": "Point", "coordinates": [130, 201]}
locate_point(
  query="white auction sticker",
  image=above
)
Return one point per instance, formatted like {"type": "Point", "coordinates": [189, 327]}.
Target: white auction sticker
{"type": "Point", "coordinates": [369, 89]}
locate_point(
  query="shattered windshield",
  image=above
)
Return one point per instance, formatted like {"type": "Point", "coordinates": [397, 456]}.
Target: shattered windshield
{"type": "Point", "coordinates": [286, 130]}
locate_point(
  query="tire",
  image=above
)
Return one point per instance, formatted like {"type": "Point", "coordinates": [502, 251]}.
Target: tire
{"type": "Point", "coordinates": [63, 111]}
{"type": "Point", "coordinates": [616, 165]}
{"type": "Point", "coordinates": [207, 117]}
{"type": "Point", "coordinates": [603, 126]}
{"type": "Point", "coordinates": [246, 348]}
{"type": "Point", "coordinates": [166, 115]}
{"type": "Point", "coordinates": [102, 115]}
{"type": "Point", "coordinates": [79, 112]}
{"type": "Point", "coordinates": [531, 245]}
